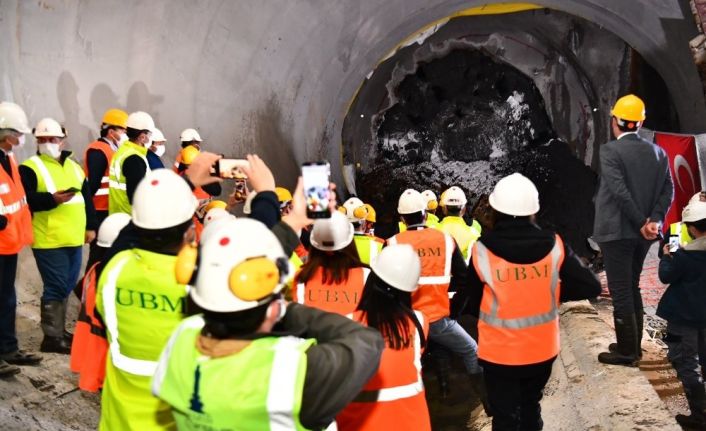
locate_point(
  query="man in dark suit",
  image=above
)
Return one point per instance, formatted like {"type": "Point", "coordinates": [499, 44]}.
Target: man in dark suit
{"type": "Point", "coordinates": [634, 194]}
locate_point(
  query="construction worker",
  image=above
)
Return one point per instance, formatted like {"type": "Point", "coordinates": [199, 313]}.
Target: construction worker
{"type": "Point", "coordinates": [394, 397]}
{"type": "Point", "coordinates": [370, 220]}
{"type": "Point", "coordinates": [216, 210]}
{"type": "Point", "coordinates": [188, 137]}
{"type": "Point", "coordinates": [453, 203]}
{"type": "Point", "coordinates": [96, 165]}
{"type": "Point", "coordinates": [680, 229]}
{"type": "Point", "coordinates": [333, 277]}
{"type": "Point", "coordinates": [15, 234]}
{"type": "Point", "coordinates": [90, 346]}
{"type": "Point", "coordinates": [156, 150]}
{"type": "Point", "coordinates": [368, 246]}
{"type": "Point", "coordinates": [63, 219]}
{"type": "Point", "coordinates": [443, 269]}
{"type": "Point", "coordinates": [141, 302]}
{"type": "Point", "coordinates": [203, 194]}
{"type": "Point", "coordinates": [635, 191]}
{"type": "Point", "coordinates": [242, 363]}
{"type": "Point", "coordinates": [519, 274]}
{"type": "Point", "coordinates": [682, 306]}
{"type": "Point", "coordinates": [432, 205]}
{"type": "Point", "coordinates": [284, 197]}
{"type": "Point", "coordinates": [129, 164]}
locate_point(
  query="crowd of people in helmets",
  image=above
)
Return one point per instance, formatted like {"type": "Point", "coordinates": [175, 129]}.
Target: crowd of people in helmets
{"type": "Point", "coordinates": [192, 318]}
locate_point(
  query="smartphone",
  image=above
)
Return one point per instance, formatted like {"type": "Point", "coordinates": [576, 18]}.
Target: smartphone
{"type": "Point", "coordinates": [673, 243]}
{"type": "Point", "coordinates": [229, 169]}
{"type": "Point", "coordinates": [316, 178]}
{"type": "Point", "coordinates": [72, 190]}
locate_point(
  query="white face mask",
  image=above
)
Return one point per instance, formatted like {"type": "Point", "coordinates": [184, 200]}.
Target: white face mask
{"type": "Point", "coordinates": [159, 151]}
{"type": "Point", "coordinates": [122, 139]}
{"type": "Point", "coordinates": [51, 150]}
{"type": "Point", "coordinates": [21, 141]}
{"type": "Point", "coordinates": [148, 143]}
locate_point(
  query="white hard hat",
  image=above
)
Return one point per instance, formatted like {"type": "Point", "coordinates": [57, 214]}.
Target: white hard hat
{"type": "Point", "coordinates": [188, 135]}
{"type": "Point", "coordinates": [241, 265]}
{"type": "Point", "coordinates": [355, 210]}
{"type": "Point", "coordinates": [453, 196]}
{"type": "Point", "coordinates": [161, 200]}
{"type": "Point", "coordinates": [428, 195]}
{"type": "Point", "coordinates": [411, 201]}
{"type": "Point", "coordinates": [398, 265]}
{"type": "Point", "coordinates": [247, 206]}
{"type": "Point", "coordinates": [48, 127]}
{"type": "Point", "coordinates": [158, 136]}
{"type": "Point", "coordinates": [140, 121]}
{"type": "Point", "coordinates": [110, 228]}
{"type": "Point", "coordinates": [12, 116]}
{"type": "Point", "coordinates": [215, 214]}
{"type": "Point", "coordinates": [694, 211]}
{"type": "Point", "coordinates": [515, 195]}
{"type": "Point", "coordinates": [697, 197]}
{"type": "Point", "coordinates": [331, 234]}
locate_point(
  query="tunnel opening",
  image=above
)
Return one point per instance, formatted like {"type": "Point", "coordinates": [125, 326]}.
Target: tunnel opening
{"type": "Point", "coordinates": [483, 97]}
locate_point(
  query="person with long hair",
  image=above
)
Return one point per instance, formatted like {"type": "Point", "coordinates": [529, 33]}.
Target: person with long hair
{"type": "Point", "coordinates": [333, 277]}
{"type": "Point", "coordinates": [394, 396]}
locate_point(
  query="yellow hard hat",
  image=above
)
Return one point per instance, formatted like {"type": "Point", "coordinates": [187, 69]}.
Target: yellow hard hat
{"type": "Point", "coordinates": [630, 108]}
{"type": "Point", "coordinates": [188, 154]}
{"type": "Point", "coordinates": [215, 204]}
{"type": "Point", "coordinates": [115, 117]}
{"type": "Point", "coordinates": [371, 213]}
{"type": "Point", "coordinates": [283, 195]}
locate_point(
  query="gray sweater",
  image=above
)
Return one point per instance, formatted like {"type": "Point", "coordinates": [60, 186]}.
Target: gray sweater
{"type": "Point", "coordinates": [635, 184]}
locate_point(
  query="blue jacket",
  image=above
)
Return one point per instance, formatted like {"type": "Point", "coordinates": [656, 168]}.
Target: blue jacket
{"type": "Point", "coordinates": [684, 301]}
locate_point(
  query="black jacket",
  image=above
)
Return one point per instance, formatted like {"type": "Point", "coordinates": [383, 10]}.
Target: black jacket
{"type": "Point", "coordinates": [684, 301]}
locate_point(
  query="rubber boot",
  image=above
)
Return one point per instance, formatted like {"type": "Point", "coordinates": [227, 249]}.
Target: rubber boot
{"type": "Point", "coordinates": [53, 318]}
{"type": "Point", "coordinates": [627, 351]}
{"type": "Point", "coordinates": [696, 396]}
{"type": "Point", "coordinates": [640, 320]}
{"type": "Point", "coordinates": [478, 383]}
{"type": "Point", "coordinates": [68, 336]}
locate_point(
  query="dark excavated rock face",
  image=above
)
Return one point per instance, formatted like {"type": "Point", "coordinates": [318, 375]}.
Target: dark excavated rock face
{"type": "Point", "coordinates": [467, 120]}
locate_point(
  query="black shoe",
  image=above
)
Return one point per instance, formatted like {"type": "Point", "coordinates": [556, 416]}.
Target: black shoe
{"type": "Point", "coordinates": [692, 421]}
{"type": "Point", "coordinates": [613, 348]}
{"type": "Point", "coordinates": [626, 352]}
{"type": "Point", "coordinates": [20, 357]}
{"type": "Point", "coordinates": [7, 370]}
{"type": "Point", "coordinates": [55, 345]}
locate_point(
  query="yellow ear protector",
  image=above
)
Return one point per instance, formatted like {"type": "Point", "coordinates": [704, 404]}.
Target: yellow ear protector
{"type": "Point", "coordinates": [360, 212]}
{"type": "Point", "coordinates": [251, 280]}
{"type": "Point", "coordinates": [342, 210]}
{"type": "Point", "coordinates": [432, 205]}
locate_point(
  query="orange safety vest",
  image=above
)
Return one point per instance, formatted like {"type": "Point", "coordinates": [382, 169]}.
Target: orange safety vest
{"type": "Point", "coordinates": [90, 346]}
{"type": "Point", "coordinates": [13, 205]}
{"type": "Point", "coordinates": [335, 298]}
{"type": "Point", "coordinates": [394, 397]}
{"type": "Point", "coordinates": [435, 249]}
{"type": "Point", "coordinates": [519, 311]}
{"type": "Point", "coordinates": [100, 199]}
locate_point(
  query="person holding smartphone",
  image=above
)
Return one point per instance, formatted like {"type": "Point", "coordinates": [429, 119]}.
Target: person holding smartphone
{"type": "Point", "coordinates": [63, 219]}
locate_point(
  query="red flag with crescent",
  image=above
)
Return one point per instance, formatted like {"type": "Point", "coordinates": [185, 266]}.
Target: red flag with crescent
{"type": "Point", "coordinates": [684, 167]}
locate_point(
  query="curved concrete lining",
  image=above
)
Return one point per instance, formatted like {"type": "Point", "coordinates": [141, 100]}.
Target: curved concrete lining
{"type": "Point", "coordinates": [275, 76]}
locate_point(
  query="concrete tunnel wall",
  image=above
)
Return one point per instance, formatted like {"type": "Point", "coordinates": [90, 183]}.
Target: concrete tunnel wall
{"type": "Point", "coordinates": [274, 76]}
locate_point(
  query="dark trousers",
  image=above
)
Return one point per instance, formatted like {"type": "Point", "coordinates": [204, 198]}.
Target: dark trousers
{"type": "Point", "coordinates": [94, 252]}
{"type": "Point", "coordinates": [623, 260]}
{"type": "Point", "coordinates": [515, 400]}
{"type": "Point", "coordinates": [685, 344]}
{"type": "Point", "coordinates": [8, 303]}
{"type": "Point", "coordinates": [59, 268]}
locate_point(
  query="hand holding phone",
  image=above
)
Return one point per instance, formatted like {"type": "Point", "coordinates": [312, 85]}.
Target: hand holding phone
{"type": "Point", "coordinates": [315, 176]}
{"type": "Point", "coordinates": [230, 169]}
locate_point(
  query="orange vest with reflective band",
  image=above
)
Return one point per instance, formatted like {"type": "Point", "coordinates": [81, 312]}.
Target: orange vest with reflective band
{"type": "Point", "coordinates": [100, 199]}
{"type": "Point", "coordinates": [90, 346]}
{"type": "Point", "coordinates": [394, 397]}
{"type": "Point", "coordinates": [435, 249]}
{"type": "Point", "coordinates": [13, 205]}
{"type": "Point", "coordinates": [519, 311]}
{"type": "Point", "coordinates": [340, 298]}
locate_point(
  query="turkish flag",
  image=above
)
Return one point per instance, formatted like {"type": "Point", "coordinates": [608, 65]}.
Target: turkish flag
{"type": "Point", "coordinates": [684, 167]}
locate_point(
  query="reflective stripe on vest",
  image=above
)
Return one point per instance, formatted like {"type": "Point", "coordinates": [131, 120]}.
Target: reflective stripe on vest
{"type": "Point", "coordinates": [138, 367]}
{"type": "Point", "coordinates": [103, 191]}
{"type": "Point", "coordinates": [49, 181]}
{"type": "Point", "coordinates": [117, 191]}
{"type": "Point", "coordinates": [18, 231]}
{"type": "Point", "coordinates": [522, 322]}
{"type": "Point", "coordinates": [100, 197]}
{"type": "Point", "coordinates": [440, 279]}
{"type": "Point", "coordinates": [7, 209]}
{"type": "Point", "coordinates": [283, 381]}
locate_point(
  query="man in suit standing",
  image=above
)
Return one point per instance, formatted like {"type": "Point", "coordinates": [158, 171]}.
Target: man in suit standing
{"type": "Point", "coordinates": [634, 194]}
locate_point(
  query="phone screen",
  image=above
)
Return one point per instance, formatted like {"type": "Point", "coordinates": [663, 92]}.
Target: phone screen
{"type": "Point", "coordinates": [673, 243]}
{"type": "Point", "coordinates": [316, 182]}
{"type": "Point", "coordinates": [230, 169]}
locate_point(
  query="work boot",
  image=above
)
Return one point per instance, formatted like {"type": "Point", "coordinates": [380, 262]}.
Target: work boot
{"type": "Point", "coordinates": [613, 347]}
{"type": "Point", "coordinates": [68, 336]}
{"type": "Point", "coordinates": [7, 370]}
{"type": "Point", "coordinates": [53, 318]}
{"type": "Point", "coordinates": [696, 396]}
{"type": "Point", "coordinates": [478, 383]}
{"type": "Point", "coordinates": [627, 349]}
{"type": "Point", "coordinates": [20, 357]}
